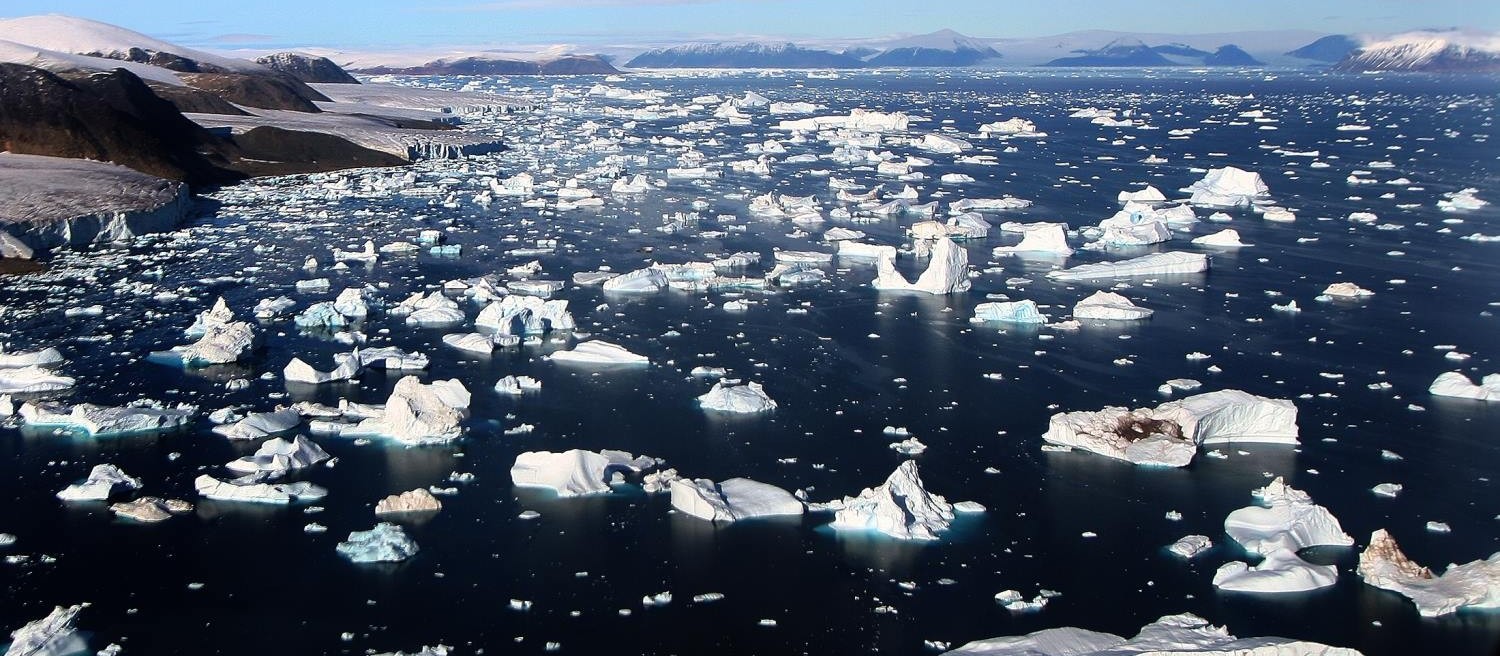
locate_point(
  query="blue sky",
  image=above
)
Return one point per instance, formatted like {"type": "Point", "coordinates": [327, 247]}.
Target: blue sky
{"type": "Point", "coordinates": [376, 23]}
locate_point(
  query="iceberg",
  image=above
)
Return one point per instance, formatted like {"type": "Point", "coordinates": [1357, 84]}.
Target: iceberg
{"type": "Point", "coordinates": [279, 456]}
{"type": "Point", "coordinates": [1109, 306]}
{"type": "Point", "coordinates": [1172, 635]}
{"type": "Point", "coordinates": [1170, 434]}
{"type": "Point", "coordinates": [46, 357]}
{"type": "Point", "coordinates": [298, 371]}
{"type": "Point", "coordinates": [103, 481]}
{"type": "Point", "coordinates": [1471, 585]}
{"type": "Point", "coordinates": [260, 424]}
{"type": "Point", "coordinates": [149, 510]}
{"type": "Point", "coordinates": [1457, 385]}
{"type": "Point", "coordinates": [386, 543]}
{"type": "Point", "coordinates": [732, 500]}
{"type": "Point", "coordinates": [728, 397]}
{"type": "Point", "coordinates": [947, 272]}
{"type": "Point", "coordinates": [862, 251]}
{"type": "Point", "coordinates": [1228, 186]}
{"type": "Point", "coordinates": [1039, 238]}
{"type": "Point", "coordinates": [419, 500]}
{"type": "Point", "coordinates": [1289, 521]}
{"type": "Point", "coordinates": [217, 315]}
{"type": "Point", "coordinates": [1189, 546]}
{"type": "Point", "coordinates": [250, 489]}
{"type": "Point", "coordinates": [526, 315]}
{"type": "Point", "coordinates": [517, 385]}
{"type": "Point", "coordinates": [105, 421]}
{"type": "Point", "coordinates": [220, 344]}
{"type": "Point", "coordinates": [320, 316]}
{"type": "Point", "coordinates": [1010, 312]}
{"type": "Point", "coordinates": [598, 352]}
{"type": "Point", "coordinates": [1014, 127]}
{"type": "Point", "coordinates": [1155, 264]}
{"type": "Point", "coordinates": [26, 380]}
{"type": "Point", "coordinates": [1148, 195]}
{"type": "Point", "coordinates": [1347, 290]}
{"type": "Point", "coordinates": [938, 143]}
{"type": "Point", "coordinates": [52, 635]}
{"type": "Point", "coordinates": [1226, 238]}
{"type": "Point", "coordinates": [571, 473]}
{"type": "Point", "coordinates": [637, 282]}
{"type": "Point", "coordinates": [1281, 571]}
{"type": "Point", "coordinates": [414, 415]}
{"type": "Point", "coordinates": [900, 508]}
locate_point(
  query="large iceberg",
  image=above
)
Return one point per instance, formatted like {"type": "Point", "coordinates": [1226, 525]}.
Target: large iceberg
{"type": "Point", "coordinates": [280, 455]}
{"type": "Point", "coordinates": [728, 397]}
{"type": "Point", "coordinates": [251, 489]}
{"type": "Point", "coordinates": [1109, 306]}
{"type": "Point", "coordinates": [639, 281]}
{"type": "Point", "coordinates": [1169, 434]}
{"type": "Point", "coordinates": [1024, 311]}
{"type": "Point", "coordinates": [946, 273]}
{"type": "Point", "coordinates": [103, 481]}
{"type": "Point", "coordinates": [53, 635]}
{"type": "Point", "coordinates": [1471, 585]}
{"type": "Point", "coordinates": [415, 414]}
{"type": "Point", "coordinates": [1155, 264]}
{"type": "Point", "coordinates": [25, 380]}
{"type": "Point", "coordinates": [260, 424]}
{"type": "Point", "coordinates": [1287, 523]}
{"type": "Point", "coordinates": [1172, 635]}
{"type": "Point", "coordinates": [900, 507]}
{"type": "Point", "coordinates": [1039, 238]}
{"type": "Point", "coordinates": [1281, 571]}
{"type": "Point", "coordinates": [105, 421]}
{"type": "Point", "coordinates": [221, 343]}
{"type": "Point", "coordinates": [731, 500]}
{"type": "Point", "coordinates": [386, 543]}
{"type": "Point", "coordinates": [571, 473]}
{"type": "Point", "coordinates": [1457, 385]}
{"type": "Point", "coordinates": [598, 352]}
{"type": "Point", "coordinates": [1228, 186]}
{"type": "Point", "coordinates": [526, 315]}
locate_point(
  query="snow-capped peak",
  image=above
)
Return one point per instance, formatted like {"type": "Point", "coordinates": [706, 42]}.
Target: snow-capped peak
{"type": "Point", "coordinates": [70, 34]}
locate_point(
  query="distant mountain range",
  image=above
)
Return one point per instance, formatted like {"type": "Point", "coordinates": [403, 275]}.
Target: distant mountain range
{"type": "Point", "coordinates": [942, 48]}
{"type": "Point", "coordinates": [1450, 51]}
{"type": "Point", "coordinates": [1135, 53]}
{"type": "Point", "coordinates": [567, 64]}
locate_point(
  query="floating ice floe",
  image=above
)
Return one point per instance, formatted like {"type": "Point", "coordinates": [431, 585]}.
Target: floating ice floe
{"type": "Point", "coordinates": [1169, 435]}
{"type": "Point", "coordinates": [278, 455]}
{"type": "Point", "coordinates": [419, 500]}
{"type": "Point", "coordinates": [1155, 264]}
{"type": "Point", "coordinates": [1463, 200]}
{"type": "Point", "coordinates": [103, 481]}
{"type": "Point", "coordinates": [1472, 585]}
{"type": "Point", "coordinates": [1228, 186]}
{"type": "Point", "coordinates": [26, 380]}
{"type": "Point", "coordinates": [947, 272]}
{"type": "Point", "coordinates": [105, 421]}
{"type": "Point", "coordinates": [386, 543]}
{"type": "Point", "coordinates": [53, 635]}
{"type": "Point", "coordinates": [414, 415]}
{"type": "Point", "coordinates": [1023, 312]}
{"type": "Point", "coordinates": [253, 489]}
{"type": "Point", "coordinates": [1226, 238]}
{"type": "Point", "coordinates": [1014, 127]}
{"type": "Point", "coordinates": [1148, 195]}
{"type": "Point", "coordinates": [1109, 306]}
{"type": "Point", "coordinates": [1043, 238]}
{"type": "Point", "coordinates": [732, 500]}
{"type": "Point", "coordinates": [636, 282]}
{"type": "Point", "coordinates": [900, 508]}
{"type": "Point", "coordinates": [298, 371]}
{"type": "Point", "coordinates": [729, 397]}
{"type": "Point", "coordinates": [526, 315]}
{"type": "Point", "coordinates": [1455, 384]}
{"type": "Point", "coordinates": [598, 352]}
{"type": "Point", "coordinates": [517, 385]}
{"type": "Point", "coordinates": [574, 472]}
{"type": "Point", "coordinates": [1172, 635]}
{"type": "Point", "coordinates": [257, 425]}
{"type": "Point", "coordinates": [1189, 546]}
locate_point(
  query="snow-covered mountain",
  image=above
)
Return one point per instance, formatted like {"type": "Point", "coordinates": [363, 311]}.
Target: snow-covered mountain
{"type": "Point", "coordinates": [742, 55]}
{"type": "Point", "coordinates": [81, 36]}
{"type": "Point", "coordinates": [1450, 51]}
{"type": "Point", "coordinates": [1330, 49]}
{"type": "Point", "coordinates": [940, 48]}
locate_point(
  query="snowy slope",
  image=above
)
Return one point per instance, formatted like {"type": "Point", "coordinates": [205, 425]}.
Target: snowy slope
{"type": "Point", "coordinates": [69, 34]}
{"type": "Point", "coordinates": [16, 53]}
{"type": "Point", "coordinates": [1446, 51]}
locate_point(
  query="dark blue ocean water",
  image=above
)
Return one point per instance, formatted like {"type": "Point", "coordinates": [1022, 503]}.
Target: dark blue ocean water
{"type": "Point", "coordinates": [268, 587]}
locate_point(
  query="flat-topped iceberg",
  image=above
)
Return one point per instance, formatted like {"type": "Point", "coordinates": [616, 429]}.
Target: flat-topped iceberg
{"type": "Point", "coordinates": [1109, 306]}
{"type": "Point", "coordinates": [280, 455]}
{"type": "Point", "coordinates": [1039, 238]}
{"type": "Point", "coordinates": [1155, 264]}
{"type": "Point", "coordinates": [386, 543]}
{"type": "Point", "coordinates": [946, 273]}
{"type": "Point", "coordinates": [1228, 186]}
{"type": "Point", "coordinates": [640, 281]}
{"type": "Point", "coordinates": [1169, 434]}
{"type": "Point", "coordinates": [1172, 635]}
{"type": "Point", "coordinates": [571, 473]}
{"type": "Point", "coordinates": [731, 500]}
{"type": "Point", "coordinates": [598, 352]}
{"type": "Point", "coordinates": [728, 397]}
{"type": "Point", "coordinates": [1471, 585]}
{"type": "Point", "coordinates": [106, 421]}
{"type": "Point", "coordinates": [415, 414]}
{"type": "Point", "coordinates": [526, 315]}
{"type": "Point", "coordinates": [103, 481]}
{"type": "Point", "coordinates": [1281, 571]}
{"type": "Point", "coordinates": [859, 119]}
{"type": "Point", "coordinates": [47, 357]}
{"type": "Point", "coordinates": [32, 379]}
{"type": "Point", "coordinates": [900, 507]}
{"type": "Point", "coordinates": [1457, 385]}
{"type": "Point", "coordinates": [251, 489]}
{"type": "Point", "coordinates": [257, 425]}
{"type": "Point", "coordinates": [1226, 238]}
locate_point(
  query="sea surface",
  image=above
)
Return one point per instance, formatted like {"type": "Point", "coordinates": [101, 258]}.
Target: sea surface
{"type": "Point", "coordinates": [245, 579]}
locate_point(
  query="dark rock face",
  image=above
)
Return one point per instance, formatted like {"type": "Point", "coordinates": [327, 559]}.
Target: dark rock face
{"type": "Point", "coordinates": [264, 91]}
{"type": "Point", "coordinates": [1329, 49]}
{"type": "Point", "coordinates": [307, 68]}
{"type": "Point", "coordinates": [1117, 53]}
{"type": "Point", "coordinates": [1230, 55]}
{"type": "Point", "coordinates": [196, 101]}
{"type": "Point", "coordinates": [110, 117]}
{"type": "Point", "coordinates": [751, 55]}
{"type": "Point", "coordinates": [275, 151]}
{"type": "Point", "coordinates": [1180, 50]}
{"type": "Point", "coordinates": [565, 65]}
{"type": "Point", "coordinates": [918, 57]}
{"type": "Point", "coordinates": [165, 60]}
